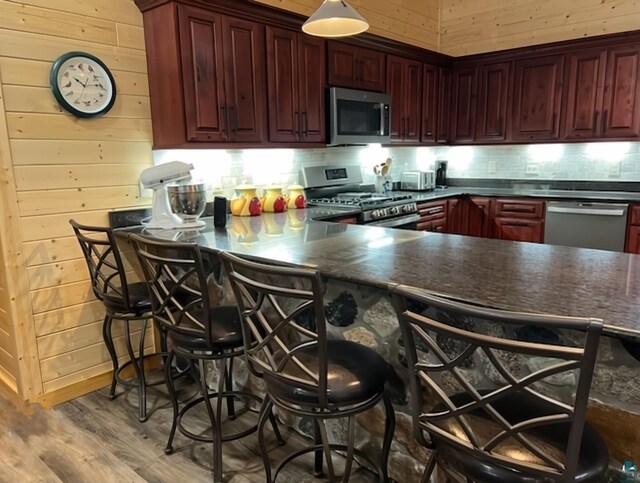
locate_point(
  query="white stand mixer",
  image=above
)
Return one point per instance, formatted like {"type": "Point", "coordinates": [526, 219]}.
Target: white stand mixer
{"type": "Point", "coordinates": [157, 178]}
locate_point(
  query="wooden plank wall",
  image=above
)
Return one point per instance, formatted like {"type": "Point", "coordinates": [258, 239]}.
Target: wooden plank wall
{"type": "Point", "coordinates": [474, 26]}
{"type": "Point", "coordinates": [64, 167]}
{"type": "Point", "coordinates": [414, 22]}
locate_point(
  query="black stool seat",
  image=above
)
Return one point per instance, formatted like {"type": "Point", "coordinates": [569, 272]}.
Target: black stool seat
{"type": "Point", "coordinates": [356, 374]}
{"type": "Point", "coordinates": [225, 330]}
{"type": "Point", "coordinates": [139, 301]}
{"type": "Point", "coordinates": [593, 458]}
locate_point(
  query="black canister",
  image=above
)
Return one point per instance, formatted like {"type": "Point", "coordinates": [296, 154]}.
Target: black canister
{"type": "Point", "coordinates": [219, 211]}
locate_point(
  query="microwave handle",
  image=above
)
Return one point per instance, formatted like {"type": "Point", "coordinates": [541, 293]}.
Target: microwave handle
{"type": "Point", "coordinates": [382, 106]}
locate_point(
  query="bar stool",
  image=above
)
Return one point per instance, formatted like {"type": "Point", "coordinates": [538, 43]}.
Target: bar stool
{"type": "Point", "coordinates": [196, 331]}
{"type": "Point", "coordinates": [516, 431]}
{"type": "Point", "coordinates": [305, 373]}
{"type": "Point", "coordinates": [122, 300]}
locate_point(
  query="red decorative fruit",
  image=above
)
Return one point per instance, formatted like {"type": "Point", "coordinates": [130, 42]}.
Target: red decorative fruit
{"type": "Point", "coordinates": [301, 202]}
{"type": "Point", "coordinates": [279, 205]}
{"type": "Point", "coordinates": [255, 207]}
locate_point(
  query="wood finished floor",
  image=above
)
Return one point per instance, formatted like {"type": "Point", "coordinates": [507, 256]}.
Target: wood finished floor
{"type": "Point", "coordinates": [92, 439]}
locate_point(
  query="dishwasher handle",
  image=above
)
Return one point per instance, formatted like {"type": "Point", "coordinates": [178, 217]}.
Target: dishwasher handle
{"type": "Point", "coordinates": [587, 210]}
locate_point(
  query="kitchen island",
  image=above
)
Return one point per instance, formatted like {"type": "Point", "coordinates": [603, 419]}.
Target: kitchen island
{"type": "Point", "coordinates": [359, 262]}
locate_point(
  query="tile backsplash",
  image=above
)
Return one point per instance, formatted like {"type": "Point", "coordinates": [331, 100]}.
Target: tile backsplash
{"type": "Point", "coordinates": [609, 161]}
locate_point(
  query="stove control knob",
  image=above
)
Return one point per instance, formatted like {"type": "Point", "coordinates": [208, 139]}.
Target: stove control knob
{"type": "Point", "coordinates": [375, 214]}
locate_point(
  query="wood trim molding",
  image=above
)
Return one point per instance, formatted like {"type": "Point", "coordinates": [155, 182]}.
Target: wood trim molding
{"type": "Point", "coordinates": [255, 12]}
{"type": "Point", "coordinates": [28, 379]}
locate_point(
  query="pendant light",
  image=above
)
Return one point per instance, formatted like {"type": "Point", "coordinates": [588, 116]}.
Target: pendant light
{"type": "Point", "coordinates": [335, 18]}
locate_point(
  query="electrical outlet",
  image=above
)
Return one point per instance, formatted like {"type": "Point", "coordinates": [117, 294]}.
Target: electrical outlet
{"type": "Point", "coordinates": [144, 192]}
{"type": "Point", "coordinates": [532, 169]}
{"type": "Point", "coordinates": [614, 169]}
{"type": "Point", "coordinates": [493, 166]}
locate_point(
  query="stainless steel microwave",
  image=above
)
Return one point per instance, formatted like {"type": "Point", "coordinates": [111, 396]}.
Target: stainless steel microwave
{"type": "Point", "coordinates": [358, 117]}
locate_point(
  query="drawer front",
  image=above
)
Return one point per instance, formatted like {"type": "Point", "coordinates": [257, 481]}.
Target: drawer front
{"type": "Point", "coordinates": [437, 225]}
{"type": "Point", "coordinates": [518, 208]}
{"type": "Point", "coordinates": [430, 211]}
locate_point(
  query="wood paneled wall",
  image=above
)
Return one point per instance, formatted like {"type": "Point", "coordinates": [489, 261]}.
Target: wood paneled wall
{"type": "Point", "coordinates": [414, 22]}
{"type": "Point", "coordinates": [62, 167]}
{"type": "Point", "coordinates": [474, 26]}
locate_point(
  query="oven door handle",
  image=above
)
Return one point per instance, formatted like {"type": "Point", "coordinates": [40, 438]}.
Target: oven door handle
{"type": "Point", "coordinates": [396, 221]}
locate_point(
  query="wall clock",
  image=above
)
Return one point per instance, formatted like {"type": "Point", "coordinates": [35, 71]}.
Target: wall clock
{"type": "Point", "coordinates": [82, 84]}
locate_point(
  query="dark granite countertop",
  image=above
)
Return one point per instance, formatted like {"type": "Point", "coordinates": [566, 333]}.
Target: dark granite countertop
{"type": "Point", "coordinates": [612, 196]}
{"type": "Point", "coordinates": [497, 273]}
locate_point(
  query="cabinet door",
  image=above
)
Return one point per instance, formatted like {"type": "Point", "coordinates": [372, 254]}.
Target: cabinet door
{"type": "Point", "coordinates": [633, 240]}
{"type": "Point", "coordinates": [458, 216]}
{"type": "Point", "coordinates": [371, 70]}
{"type": "Point", "coordinates": [311, 82]}
{"type": "Point", "coordinates": [202, 74]}
{"type": "Point", "coordinates": [478, 223]}
{"type": "Point", "coordinates": [519, 230]}
{"type": "Point", "coordinates": [412, 100]}
{"type": "Point", "coordinates": [245, 87]}
{"type": "Point", "coordinates": [537, 98]}
{"type": "Point", "coordinates": [583, 98]}
{"type": "Point", "coordinates": [444, 105]}
{"type": "Point", "coordinates": [342, 65]}
{"type": "Point", "coordinates": [621, 116]}
{"type": "Point", "coordinates": [429, 103]}
{"type": "Point", "coordinates": [395, 88]}
{"type": "Point", "coordinates": [493, 88]}
{"type": "Point", "coordinates": [464, 104]}
{"type": "Point", "coordinates": [282, 70]}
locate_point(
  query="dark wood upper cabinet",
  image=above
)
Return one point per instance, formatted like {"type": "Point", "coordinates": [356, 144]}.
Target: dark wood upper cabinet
{"type": "Point", "coordinates": [223, 77]}
{"type": "Point", "coordinates": [245, 82]}
{"type": "Point", "coordinates": [621, 116]}
{"type": "Point", "coordinates": [444, 105]}
{"type": "Point", "coordinates": [537, 98]}
{"type": "Point", "coordinates": [493, 91]}
{"type": "Point", "coordinates": [429, 103]}
{"type": "Point", "coordinates": [202, 57]}
{"type": "Point", "coordinates": [404, 85]}
{"type": "Point", "coordinates": [296, 84]}
{"type": "Point", "coordinates": [463, 107]}
{"type": "Point", "coordinates": [584, 94]}
{"type": "Point", "coordinates": [356, 67]}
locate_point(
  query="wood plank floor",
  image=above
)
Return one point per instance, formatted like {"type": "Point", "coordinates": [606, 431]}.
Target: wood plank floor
{"type": "Point", "coordinates": [92, 439]}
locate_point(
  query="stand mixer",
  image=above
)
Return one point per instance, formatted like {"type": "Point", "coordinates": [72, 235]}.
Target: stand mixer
{"type": "Point", "coordinates": [174, 206]}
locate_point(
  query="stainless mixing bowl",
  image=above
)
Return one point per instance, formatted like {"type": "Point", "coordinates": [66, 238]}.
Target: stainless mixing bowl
{"type": "Point", "coordinates": [187, 200]}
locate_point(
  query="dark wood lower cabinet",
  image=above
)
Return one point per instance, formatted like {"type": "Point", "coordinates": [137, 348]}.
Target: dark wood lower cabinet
{"type": "Point", "coordinates": [519, 230]}
{"type": "Point", "coordinates": [633, 240]}
{"type": "Point", "coordinates": [478, 217]}
{"type": "Point", "coordinates": [433, 216]}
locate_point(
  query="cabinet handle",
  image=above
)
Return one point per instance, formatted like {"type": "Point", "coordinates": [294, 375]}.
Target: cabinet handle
{"type": "Point", "coordinates": [360, 74]}
{"type": "Point", "coordinates": [223, 117]}
{"type": "Point", "coordinates": [296, 123]}
{"type": "Point", "coordinates": [604, 121]}
{"type": "Point", "coordinates": [304, 123]}
{"type": "Point", "coordinates": [426, 128]}
{"type": "Point", "coordinates": [406, 127]}
{"type": "Point", "coordinates": [595, 122]}
{"type": "Point", "coordinates": [234, 118]}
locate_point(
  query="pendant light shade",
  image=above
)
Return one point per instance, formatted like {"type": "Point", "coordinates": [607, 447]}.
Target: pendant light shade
{"type": "Point", "coordinates": [335, 18]}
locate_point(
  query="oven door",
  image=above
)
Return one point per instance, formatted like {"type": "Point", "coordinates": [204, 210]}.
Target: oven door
{"type": "Point", "coordinates": [407, 222]}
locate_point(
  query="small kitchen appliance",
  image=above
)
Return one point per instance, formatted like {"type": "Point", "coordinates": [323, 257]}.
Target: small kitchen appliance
{"type": "Point", "coordinates": [441, 173]}
{"type": "Point", "coordinates": [188, 202]}
{"type": "Point", "coordinates": [358, 117]}
{"type": "Point", "coordinates": [417, 180]}
{"type": "Point", "coordinates": [158, 178]}
{"type": "Point", "coordinates": [339, 188]}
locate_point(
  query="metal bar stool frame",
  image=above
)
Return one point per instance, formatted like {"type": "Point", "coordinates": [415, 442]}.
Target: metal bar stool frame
{"type": "Point", "coordinates": [416, 325]}
{"type": "Point", "coordinates": [122, 300]}
{"type": "Point", "coordinates": [177, 282]}
{"type": "Point", "coordinates": [264, 335]}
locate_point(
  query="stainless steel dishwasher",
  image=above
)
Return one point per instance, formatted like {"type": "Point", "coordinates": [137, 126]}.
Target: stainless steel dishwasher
{"type": "Point", "coordinates": [587, 225]}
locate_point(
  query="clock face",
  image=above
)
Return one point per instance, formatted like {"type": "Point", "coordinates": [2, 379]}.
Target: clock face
{"type": "Point", "coordinates": [82, 84]}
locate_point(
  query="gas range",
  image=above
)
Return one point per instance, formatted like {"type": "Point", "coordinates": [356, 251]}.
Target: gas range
{"type": "Point", "coordinates": [388, 210]}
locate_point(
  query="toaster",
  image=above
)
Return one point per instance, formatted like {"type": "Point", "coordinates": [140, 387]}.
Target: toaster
{"type": "Point", "coordinates": [417, 180]}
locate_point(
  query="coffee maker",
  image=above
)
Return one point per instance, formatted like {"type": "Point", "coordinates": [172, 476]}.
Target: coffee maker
{"type": "Point", "coordinates": [441, 173]}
